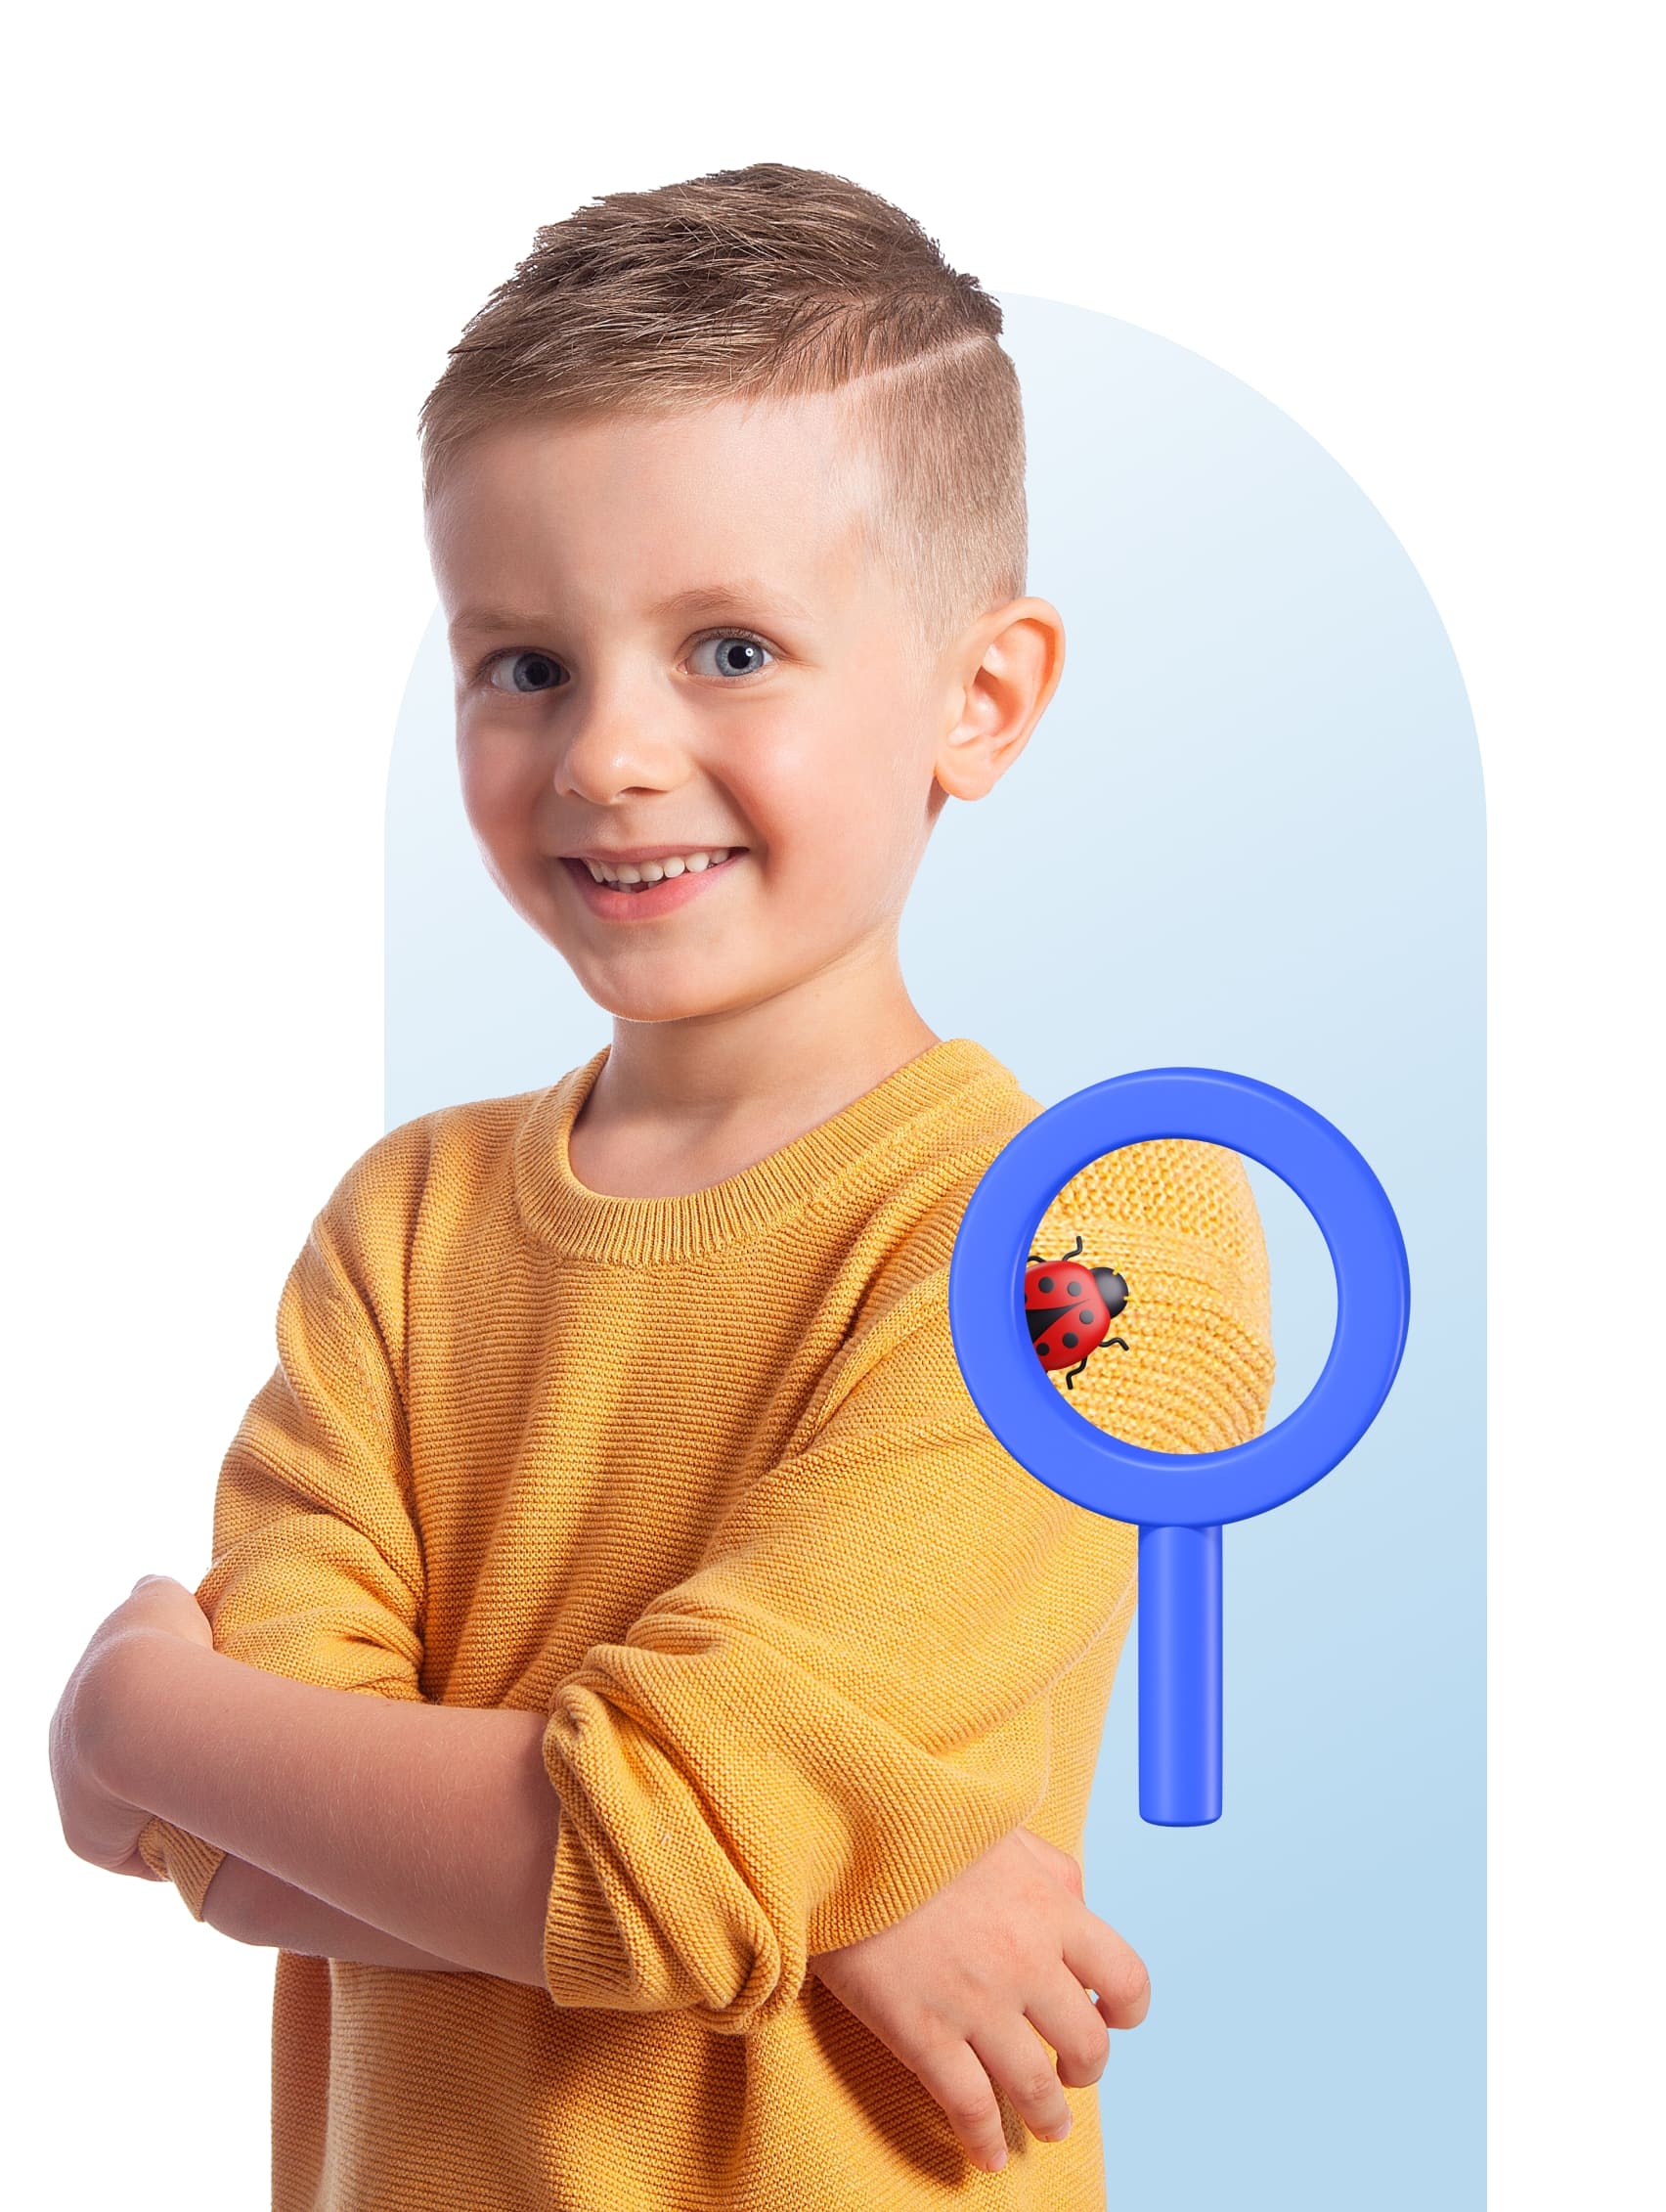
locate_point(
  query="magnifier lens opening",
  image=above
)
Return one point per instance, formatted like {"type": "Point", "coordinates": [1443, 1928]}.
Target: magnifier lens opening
{"type": "Point", "coordinates": [1178, 1261]}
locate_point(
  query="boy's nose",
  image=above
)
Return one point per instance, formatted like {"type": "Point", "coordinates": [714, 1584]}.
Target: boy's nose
{"type": "Point", "coordinates": [614, 746]}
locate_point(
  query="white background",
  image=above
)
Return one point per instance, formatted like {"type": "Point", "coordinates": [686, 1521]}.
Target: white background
{"type": "Point", "coordinates": [239, 247]}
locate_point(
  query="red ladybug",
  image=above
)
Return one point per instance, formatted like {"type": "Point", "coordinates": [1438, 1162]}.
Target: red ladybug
{"type": "Point", "coordinates": [1069, 1308]}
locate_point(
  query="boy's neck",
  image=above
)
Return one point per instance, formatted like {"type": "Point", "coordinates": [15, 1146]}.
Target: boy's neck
{"type": "Point", "coordinates": [681, 1105]}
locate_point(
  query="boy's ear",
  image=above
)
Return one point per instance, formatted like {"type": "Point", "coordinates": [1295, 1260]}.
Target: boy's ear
{"type": "Point", "coordinates": [1002, 674]}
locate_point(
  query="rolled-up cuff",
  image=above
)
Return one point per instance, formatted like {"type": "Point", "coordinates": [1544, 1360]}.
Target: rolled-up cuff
{"type": "Point", "coordinates": [695, 1937]}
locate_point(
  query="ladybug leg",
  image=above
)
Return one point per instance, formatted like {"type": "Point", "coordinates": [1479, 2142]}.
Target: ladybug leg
{"type": "Point", "coordinates": [1072, 1372]}
{"type": "Point", "coordinates": [1123, 1340]}
{"type": "Point", "coordinates": [1074, 1248]}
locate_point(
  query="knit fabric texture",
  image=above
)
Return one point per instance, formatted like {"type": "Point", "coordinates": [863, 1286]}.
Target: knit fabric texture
{"type": "Point", "coordinates": [699, 1479]}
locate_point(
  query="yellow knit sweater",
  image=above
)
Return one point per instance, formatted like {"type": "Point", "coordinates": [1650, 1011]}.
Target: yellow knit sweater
{"type": "Point", "coordinates": [698, 1477]}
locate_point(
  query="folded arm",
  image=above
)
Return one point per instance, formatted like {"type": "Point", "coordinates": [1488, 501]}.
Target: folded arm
{"type": "Point", "coordinates": [796, 1747]}
{"type": "Point", "coordinates": [436, 1824]}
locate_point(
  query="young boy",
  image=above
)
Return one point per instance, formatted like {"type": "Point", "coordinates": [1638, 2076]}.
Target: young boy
{"type": "Point", "coordinates": [706, 1839]}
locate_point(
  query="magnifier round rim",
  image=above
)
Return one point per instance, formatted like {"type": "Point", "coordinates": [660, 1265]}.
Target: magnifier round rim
{"type": "Point", "coordinates": [1015, 1394]}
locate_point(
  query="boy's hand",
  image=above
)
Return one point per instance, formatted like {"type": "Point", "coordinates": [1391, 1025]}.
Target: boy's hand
{"type": "Point", "coordinates": [98, 1827]}
{"type": "Point", "coordinates": [959, 1989]}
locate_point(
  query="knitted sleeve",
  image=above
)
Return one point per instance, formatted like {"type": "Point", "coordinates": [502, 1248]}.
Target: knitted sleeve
{"type": "Point", "coordinates": [316, 1570]}
{"type": "Point", "coordinates": [849, 1702]}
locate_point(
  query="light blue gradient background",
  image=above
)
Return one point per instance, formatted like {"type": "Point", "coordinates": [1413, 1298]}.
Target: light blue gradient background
{"type": "Point", "coordinates": [1260, 789]}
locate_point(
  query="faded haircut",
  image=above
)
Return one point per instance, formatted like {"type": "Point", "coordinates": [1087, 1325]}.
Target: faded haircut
{"type": "Point", "coordinates": [765, 283]}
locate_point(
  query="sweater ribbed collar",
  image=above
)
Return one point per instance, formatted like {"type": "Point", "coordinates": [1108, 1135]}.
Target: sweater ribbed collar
{"type": "Point", "coordinates": [595, 1226]}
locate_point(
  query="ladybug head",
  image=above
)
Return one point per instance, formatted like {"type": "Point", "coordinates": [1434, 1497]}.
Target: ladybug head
{"type": "Point", "coordinates": [1112, 1289]}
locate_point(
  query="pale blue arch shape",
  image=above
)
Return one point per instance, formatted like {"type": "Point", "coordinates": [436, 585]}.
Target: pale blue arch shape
{"type": "Point", "coordinates": [1260, 789]}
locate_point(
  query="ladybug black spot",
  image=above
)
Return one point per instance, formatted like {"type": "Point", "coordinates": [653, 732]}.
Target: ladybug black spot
{"type": "Point", "coordinates": [1071, 1340]}
{"type": "Point", "coordinates": [1046, 1283]}
{"type": "Point", "coordinates": [1073, 1289]}
{"type": "Point", "coordinates": [1088, 1315]}
{"type": "Point", "coordinates": [1043, 1347]}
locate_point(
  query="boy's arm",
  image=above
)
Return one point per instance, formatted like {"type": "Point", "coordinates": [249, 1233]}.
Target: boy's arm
{"type": "Point", "coordinates": [318, 1573]}
{"type": "Point", "coordinates": [434, 1823]}
{"type": "Point", "coordinates": [838, 1713]}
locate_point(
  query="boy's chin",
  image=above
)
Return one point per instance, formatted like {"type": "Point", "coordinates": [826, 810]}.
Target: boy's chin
{"type": "Point", "coordinates": [674, 999]}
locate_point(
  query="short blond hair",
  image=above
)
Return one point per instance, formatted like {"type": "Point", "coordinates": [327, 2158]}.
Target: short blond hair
{"type": "Point", "coordinates": [769, 281]}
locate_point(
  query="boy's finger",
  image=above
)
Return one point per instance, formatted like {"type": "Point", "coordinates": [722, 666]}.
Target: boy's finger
{"type": "Point", "coordinates": [954, 2078]}
{"type": "Point", "coordinates": [1101, 1961]}
{"type": "Point", "coordinates": [1075, 2027]}
{"type": "Point", "coordinates": [1016, 2060]}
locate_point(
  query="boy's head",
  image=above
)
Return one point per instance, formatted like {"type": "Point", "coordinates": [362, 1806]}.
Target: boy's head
{"type": "Point", "coordinates": [724, 492]}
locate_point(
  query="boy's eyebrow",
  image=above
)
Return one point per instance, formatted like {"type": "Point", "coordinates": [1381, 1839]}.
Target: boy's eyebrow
{"type": "Point", "coordinates": [745, 590]}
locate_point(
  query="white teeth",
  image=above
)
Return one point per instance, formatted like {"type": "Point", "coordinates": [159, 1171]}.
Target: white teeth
{"type": "Point", "coordinates": [652, 871]}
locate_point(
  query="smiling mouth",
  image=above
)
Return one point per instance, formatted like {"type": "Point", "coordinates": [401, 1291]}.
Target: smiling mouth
{"type": "Point", "coordinates": [663, 897]}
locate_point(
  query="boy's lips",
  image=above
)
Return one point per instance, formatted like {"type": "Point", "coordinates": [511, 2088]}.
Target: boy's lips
{"type": "Point", "coordinates": [662, 898]}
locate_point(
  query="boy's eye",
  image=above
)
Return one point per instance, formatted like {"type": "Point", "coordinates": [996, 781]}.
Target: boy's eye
{"type": "Point", "coordinates": [525, 672]}
{"type": "Point", "coordinates": [732, 654]}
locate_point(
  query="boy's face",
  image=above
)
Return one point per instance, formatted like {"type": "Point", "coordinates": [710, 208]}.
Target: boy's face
{"type": "Point", "coordinates": [669, 642]}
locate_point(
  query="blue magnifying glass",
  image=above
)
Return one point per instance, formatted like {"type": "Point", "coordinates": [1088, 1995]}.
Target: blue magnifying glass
{"type": "Point", "coordinates": [1179, 1501]}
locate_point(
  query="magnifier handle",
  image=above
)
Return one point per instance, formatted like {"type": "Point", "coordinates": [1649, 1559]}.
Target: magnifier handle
{"type": "Point", "coordinates": [1180, 1676]}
